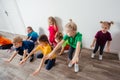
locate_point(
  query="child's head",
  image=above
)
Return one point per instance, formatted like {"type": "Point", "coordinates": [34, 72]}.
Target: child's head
{"type": "Point", "coordinates": [52, 21]}
{"type": "Point", "coordinates": [71, 28]}
{"type": "Point", "coordinates": [43, 40]}
{"type": "Point", "coordinates": [106, 25]}
{"type": "Point", "coordinates": [29, 29]}
{"type": "Point", "coordinates": [58, 37]}
{"type": "Point", "coordinates": [17, 42]}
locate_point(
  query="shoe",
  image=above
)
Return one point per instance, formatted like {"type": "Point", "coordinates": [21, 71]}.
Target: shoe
{"type": "Point", "coordinates": [70, 65]}
{"type": "Point", "coordinates": [100, 57]}
{"type": "Point", "coordinates": [92, 55]}
{"type": "Point", "coordinates": [31, 59]}
{"type": "Point", "coordinates": [76, 67]}
{"type": "Point", "coordinates": [20, 59]}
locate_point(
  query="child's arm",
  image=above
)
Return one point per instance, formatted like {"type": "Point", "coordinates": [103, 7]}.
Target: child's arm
{"type": "Point", "coordinates": [25, 59]}
{"type": "Point", "coordinates": [55, 49]}
{"type": "Point", "coordinates": [93, 43]}
{"type": "Point", "coordinates": [40, 66]}
{"type": "Point", "coordinates": [62, 50]}
{"type": "Point", "coordinates": [77, 51]}
{"type": "Point", "coordinates": [11, 58]}
{"type": "Point", "coordinates": [108, 46]}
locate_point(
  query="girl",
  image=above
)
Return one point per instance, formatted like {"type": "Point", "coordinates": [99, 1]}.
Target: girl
{"type": "Point", "coordinates": [45, 47]}
{"type": "Point", "coordinates": [101, 38]}
{"type": "Point", "coordinates": [52, 30]}
{"type": "Point", "coordinates": [65, 46]}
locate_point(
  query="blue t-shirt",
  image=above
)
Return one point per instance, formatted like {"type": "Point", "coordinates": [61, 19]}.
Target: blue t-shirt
{"type": "Point", "coordinates": [33, 36]}
{"type": "Point", "coordinates": [26, 45]}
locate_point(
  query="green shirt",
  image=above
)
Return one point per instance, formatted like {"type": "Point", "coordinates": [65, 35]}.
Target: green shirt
{"type": "Point", "coordinates": [73, 40]}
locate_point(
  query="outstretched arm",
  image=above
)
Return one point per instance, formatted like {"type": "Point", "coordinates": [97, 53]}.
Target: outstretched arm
{"type": "Point", "coordinates": [108, 46]}
{"type": "Point", "coordinates": [11, 58]}
{"type": "Point", "coordinates": [77, 51]}
{"type": "Point", "coordinates": [93, 43]}
{"type": "Point", "coordinates": [40, 66]}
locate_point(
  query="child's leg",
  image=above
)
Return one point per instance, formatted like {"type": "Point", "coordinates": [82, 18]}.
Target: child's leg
{"type": "Point", "coordinates": [96, 48]}
{"type": "Point", "coordinates": [101, 49]}
{"type": "Point", "coordinates": [8, 46]}
{"type": "Point", "coordinates": [70, 52]}
{"type": "Point", "coordinates": [50, 64]}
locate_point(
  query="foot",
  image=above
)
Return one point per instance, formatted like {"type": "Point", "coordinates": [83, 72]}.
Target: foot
{"type": "Point", "coordinates": [93, 55]}
{"type": "Point", "coordinates": [76, 67]}
{"type": "Point", "coordinates": [31, 59]}
{"type": "Point", "coordinates": [100, 57]}
{"type": "Point", "coordinates": [70, 65]}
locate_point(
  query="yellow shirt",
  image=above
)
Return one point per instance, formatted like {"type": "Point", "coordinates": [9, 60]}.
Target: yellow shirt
{"type": "Point", "coordinates": [45, 50]}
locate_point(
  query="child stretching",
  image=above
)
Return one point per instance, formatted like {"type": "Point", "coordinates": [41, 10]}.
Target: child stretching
{"type": "Point", "coordinates": [75, 41]}
{"type": "Point", "coordinates": [52, 30]}
{"type": "Point", "coordinates": [23, 48]}
{"type": "Point", "coordinates": [5, 43]}
{"type": "Point", "coordinates": [45, 47]}
{"type": "Point", "coordinates": [65, 46]}
{"type": "Point", "coordinates": [101, 38]}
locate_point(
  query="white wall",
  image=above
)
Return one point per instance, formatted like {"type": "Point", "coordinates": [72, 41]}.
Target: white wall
{"type": "Point", "coordinates": [86, 13]}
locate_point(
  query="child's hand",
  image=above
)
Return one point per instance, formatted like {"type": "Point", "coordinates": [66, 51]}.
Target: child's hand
{"type": "Point", "coordinates": [23, 61]}
{"type": "Point", "coordinates": [36, 72]}
{"type": "Point", "coordinates": [59, 53]}
{"type": "Point", "coordinates": [91, 46]}
{"type": "Point", "coordinates": [75, 59]}
{"type": "Point", "coordinates": [7, 60]}
{"type": "Point", "coordinates": [108, 49]}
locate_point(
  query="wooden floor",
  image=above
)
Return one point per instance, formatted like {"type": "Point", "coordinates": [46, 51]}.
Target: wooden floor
{"type": "Point", "coordinates": [90, 69]}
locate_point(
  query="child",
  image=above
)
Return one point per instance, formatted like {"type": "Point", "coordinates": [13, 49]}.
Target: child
{"type": "Point", "coordinates": [65, 46]}
{"type": "Point", "coordinates": [45, 47]}
{"type": "Point", "coordinates": [22, 48]}
{"type": "Point", "coordinates": [101, 38]}
{"type": "Point", "coordinates": [52, 30]}
{"type": "Point", "coordinates": [5, 43]}
{"type": "Point", "coordinates": [32, 35]}
{"type": "Point", "coordinates": [75, 41]}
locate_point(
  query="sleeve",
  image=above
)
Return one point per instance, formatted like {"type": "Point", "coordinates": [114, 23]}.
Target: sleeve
{"type": "Point", "coordinates": [97, 34]}
{"type": "Point", "coordinates": [65, 43]}
{"type": "Point", "coordinates": [109, 37]}
{"type": "Point", "coordinates": [79, 38]}
{"type": "Point", "coordinates": [38, 48]}
{"type": "Point", "coordinates": [65, 37]}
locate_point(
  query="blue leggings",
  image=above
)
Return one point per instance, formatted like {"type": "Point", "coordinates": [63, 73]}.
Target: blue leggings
{"type": "Point", "coordinates": [49, 62]}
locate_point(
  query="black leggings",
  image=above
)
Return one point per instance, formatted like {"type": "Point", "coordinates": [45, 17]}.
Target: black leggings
{"type": "Point", "coordinates": [70, 52]}
{"type": "Point", "coordinates": [96, 48]}
{"type": "Point", "coordinates": [7, 46]}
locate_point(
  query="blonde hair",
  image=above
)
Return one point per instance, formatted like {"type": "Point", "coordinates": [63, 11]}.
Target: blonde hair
{"type": "Point", "coordinates": [71, 25]}
{"type": "Point", "coordinates": [107, 23]}
{"type": "Point", "coordinates": [17, 39]}
{"type": "Point", "coordinates": [52, 20]}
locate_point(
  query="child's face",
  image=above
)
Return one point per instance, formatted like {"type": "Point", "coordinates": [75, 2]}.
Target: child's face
{"type": "Point", "coordinates": [105, 27]}
{"type": "Point", "coordinates": [17, 44]}
{"type": "Point", "coordinates": [42, 43]}
{"type": "Point", "coordinates": [70, 33]}
{"type": "Point", "coordinates": [57, 40]}
{"type": "Point", "coordinates": [28, 30]}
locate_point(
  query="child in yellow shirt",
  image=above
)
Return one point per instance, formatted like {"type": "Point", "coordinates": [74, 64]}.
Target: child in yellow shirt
{"type": "Point", "coordinates": [45, 48]}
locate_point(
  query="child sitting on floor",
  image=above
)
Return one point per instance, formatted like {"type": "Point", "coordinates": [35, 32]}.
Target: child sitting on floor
{"type": "Point", "coordinates": [45, 48]}
{"type": "Point", "coordinates": [65, 46]}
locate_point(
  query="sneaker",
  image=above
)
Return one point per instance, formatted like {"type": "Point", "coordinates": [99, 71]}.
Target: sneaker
{"type": "Point", "coordinates": [76, 67]}
{"type": "Point", "coordinates": [31, 59]}
{"type": "Point", "coordinates": [100, 57]}
{"type": "Point", "coordinates": [20, 59]}
{"type": "Point", "coordinates": [92, 55]}
{"type": "Point", "coordinates": [70, 65]}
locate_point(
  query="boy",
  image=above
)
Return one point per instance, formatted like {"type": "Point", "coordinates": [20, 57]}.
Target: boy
{"type": "Point", "coordinates": [22, 48]}
{"type": "Point", "coordinates": [75, 41]}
